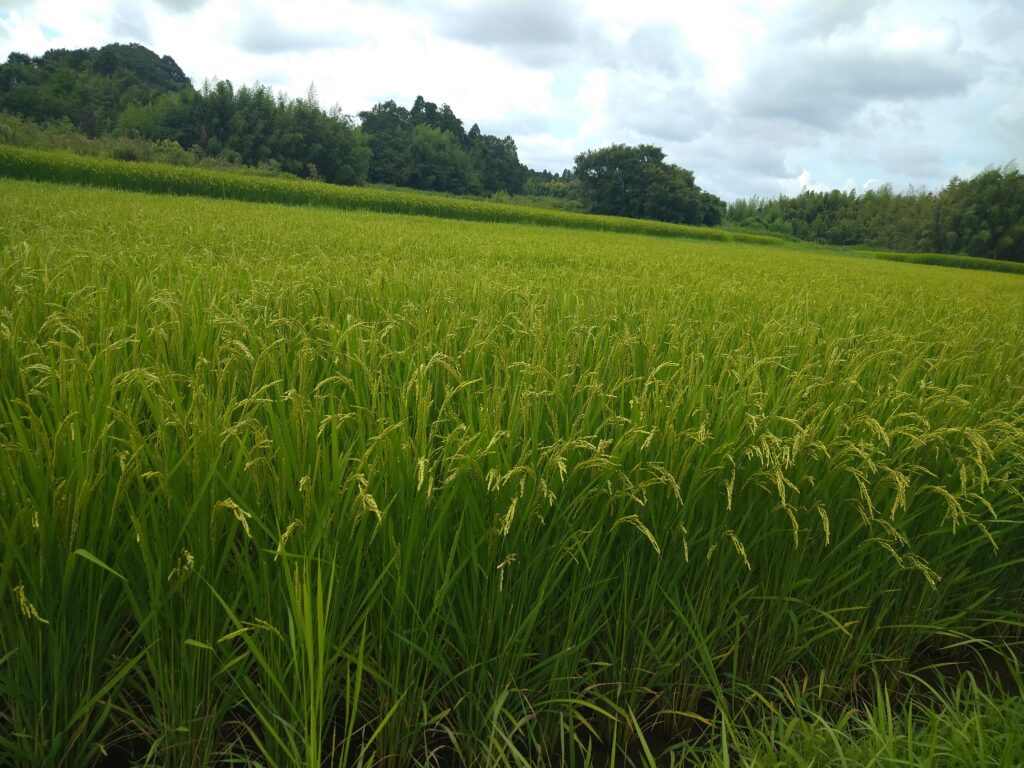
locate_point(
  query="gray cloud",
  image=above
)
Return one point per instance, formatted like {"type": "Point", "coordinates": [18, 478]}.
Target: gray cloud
{"type": "Point", "coordinates": [182, 6]}
{"type": "Point", "coordinates": [654, 90]}
{"type": "Point", "coordinates": [129, 22]}
{"type": "Point", "coordinates": [826, 87]}
{"type": "Point", "coordinates": [911, 160]}
{"type": "Point", "coordinates": [654, 48]}
{"type": "Point", "coordinates": [674, 113]}
{"type": "Point", "coordinates": [821, 18]}
{"type": "Point", "coordinates": [739, 157]}
{"type": "Point", "coordinates": [752, 155]}
{"type": "Point", "coordinates": [735, 165]}
{"type": "Point", "coordinates": [1008, 124]}
{"type": "Point", "coordinates": [1005, 24]}
{"type": "Point", "coordinates": [533, 32]}
{"type": "Point", "coordinates": [261, 33]}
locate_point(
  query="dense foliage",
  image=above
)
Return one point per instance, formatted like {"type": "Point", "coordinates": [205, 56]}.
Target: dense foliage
{"type": "Point", "coordinates": [980, 216]}
{"type": "Point", "coordinates": [620, 180]}
{"type": "Point", "coordinates": [283, 487]}
{"type": "Point", "coordinates": [637, 182]}
{"type": "Point", "coordinates": [251, 126]}
{"type": "Point", "coordinates": [427, 147]}
{"type": "Point", "coordinates": [561, 187]}
{"type": "Point", "coordinates": [90, 87]}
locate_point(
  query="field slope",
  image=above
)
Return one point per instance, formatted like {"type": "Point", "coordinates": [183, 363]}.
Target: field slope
{"type": "Point", "coordinates": [63, 167]}
{"type": "Point", "coordinates": [298, 487]}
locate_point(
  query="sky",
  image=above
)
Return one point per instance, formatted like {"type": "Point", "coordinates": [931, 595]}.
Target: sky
{"type": "Point", "coordinates": [756, 97]}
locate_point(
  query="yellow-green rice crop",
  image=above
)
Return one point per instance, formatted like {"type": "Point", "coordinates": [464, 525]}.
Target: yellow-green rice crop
{"type": "Point", "coordinates": [19, 163]}
{"type": "Point", "coordinates": [306, 487]}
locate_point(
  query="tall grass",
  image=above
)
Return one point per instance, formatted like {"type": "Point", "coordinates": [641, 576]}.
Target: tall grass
{"type": "Point", "coordinates": [21, 163]}
{"type": "Point", "coordinates": [282, 487]}
{"type": "Point", "coordinates": [964, 726]}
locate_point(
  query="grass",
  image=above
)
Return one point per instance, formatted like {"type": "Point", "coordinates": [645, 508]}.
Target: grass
{"type": "Point", "coordinates": [964, 727]}
{"type": "Point", "coordinates": [290, 487]}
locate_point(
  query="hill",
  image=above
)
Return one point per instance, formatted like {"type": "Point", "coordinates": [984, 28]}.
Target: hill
{"type": "Point", "coordinates": [90, 87]}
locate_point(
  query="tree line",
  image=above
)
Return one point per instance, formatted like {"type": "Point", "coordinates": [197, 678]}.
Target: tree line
{"type": "Point", "coordinates": [980, 216]}
{"type": "Point", "coordinates": [131, 92]}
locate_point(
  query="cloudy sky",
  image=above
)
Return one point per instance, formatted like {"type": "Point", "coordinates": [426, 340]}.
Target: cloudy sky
{"type": "Point", "coordinates": [756, 97]}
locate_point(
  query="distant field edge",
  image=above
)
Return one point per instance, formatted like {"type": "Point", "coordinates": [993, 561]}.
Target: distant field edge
{"type": "Point", "coordinates": [955, 260]}
{"type": "Point", "coordinates": [67, 168]}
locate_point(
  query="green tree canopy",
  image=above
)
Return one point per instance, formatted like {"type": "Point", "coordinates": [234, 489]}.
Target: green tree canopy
{"type": "Point", "coordinates": [428, 147]}
{"type": "Point", "coordinates": [90, 86]}
{"type": "Point", "coordinates": [637, 182]}
{"type": "Point", "coordinates": [980, 216]}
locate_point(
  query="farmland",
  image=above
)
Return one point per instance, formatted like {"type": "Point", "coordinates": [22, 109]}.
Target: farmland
{"type": "Point", "coordinates": [64, 167]}
{"type": "Point", "coordinates": [291, 486]}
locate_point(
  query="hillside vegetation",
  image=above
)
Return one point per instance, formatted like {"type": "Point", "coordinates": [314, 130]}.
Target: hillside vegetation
{"type": "Point", "coordinates": [982, 216]}
{"type": "Point", "coordinates": [300, 487]}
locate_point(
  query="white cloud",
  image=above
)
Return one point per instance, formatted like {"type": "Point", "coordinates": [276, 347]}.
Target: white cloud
{"type": "Point", "coordinates": [796, 184]}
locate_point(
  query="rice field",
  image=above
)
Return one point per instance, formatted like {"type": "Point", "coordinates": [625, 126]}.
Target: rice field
{"type": "Point", "coordinates": [288, 486]}
{"type": "Point", "coordinates": [67, 168]}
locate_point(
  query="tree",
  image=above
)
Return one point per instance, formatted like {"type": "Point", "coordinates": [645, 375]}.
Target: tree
{"type": "Point", "coordinates": [438, 162]}
{"type": "Point", "coordinates": [637, 182]}
{"type": "Point", "coordinates": [496, 162]}
{"type": "Point", "coordinates": [980, 216]}
{"type": "Point", "coordinates": [387, 128]}
{"type": "Point", "coordinates": [427, 147]}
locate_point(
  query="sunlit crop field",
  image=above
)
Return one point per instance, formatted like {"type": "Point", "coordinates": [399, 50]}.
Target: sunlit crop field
{"type": "Point", "coordinates": [294, 487]}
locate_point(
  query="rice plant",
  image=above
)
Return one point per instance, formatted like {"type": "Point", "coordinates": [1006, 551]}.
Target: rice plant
{"type": "Point", "coordinates": [285, 486]}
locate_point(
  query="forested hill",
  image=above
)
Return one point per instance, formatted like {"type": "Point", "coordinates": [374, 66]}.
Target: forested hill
{"type": "Point", "coordinates": [130, 92]}
{"type": "Point", "coordinates": [91, 87]}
